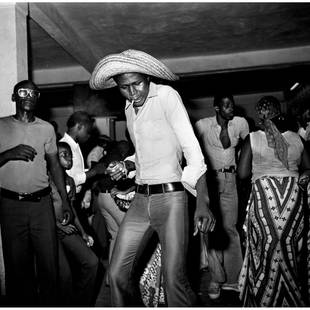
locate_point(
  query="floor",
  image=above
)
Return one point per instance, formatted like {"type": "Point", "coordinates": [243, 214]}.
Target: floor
{"type": "Point", "coordinates": [226, 299]}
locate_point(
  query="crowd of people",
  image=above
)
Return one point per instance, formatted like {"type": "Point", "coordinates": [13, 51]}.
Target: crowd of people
{"type": "Point", "coordinates": [142, 202]}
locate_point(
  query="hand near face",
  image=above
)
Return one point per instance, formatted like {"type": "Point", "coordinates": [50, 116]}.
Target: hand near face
{"type": "Point", "coordinates": [21, 152]}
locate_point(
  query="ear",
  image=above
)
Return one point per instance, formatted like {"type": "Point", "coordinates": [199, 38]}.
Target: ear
{"type": "Point", "coordinates": [79, 126]}
{"type": "Point", "coordinates": [13, 97]}
{"type": "Point", "coordinates": [216, 108]}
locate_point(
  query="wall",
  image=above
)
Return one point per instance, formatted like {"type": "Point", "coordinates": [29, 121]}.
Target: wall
{"type": "Point", "coordinates": [203, 107]}
{"type": "Point", "coordinates": [197, 108]}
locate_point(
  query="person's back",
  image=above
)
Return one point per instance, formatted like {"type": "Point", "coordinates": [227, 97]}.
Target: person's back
{"type": "Point", "coordinates": [275, 224]}
{"type": "Point", "coordinates": [264, 161]}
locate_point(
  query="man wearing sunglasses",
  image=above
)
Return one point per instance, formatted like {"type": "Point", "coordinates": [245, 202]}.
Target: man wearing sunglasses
{"type": "Point", "coordinates": [27, 150]}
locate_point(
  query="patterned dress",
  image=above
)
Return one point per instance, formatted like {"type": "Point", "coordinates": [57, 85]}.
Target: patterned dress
{"type": "Point", "coordinates": [151, 281]}
{"type": "Point", "coordinates": [276, 266]}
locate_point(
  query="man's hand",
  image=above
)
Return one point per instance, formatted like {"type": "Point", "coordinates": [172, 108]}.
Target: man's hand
{"type": "Point", "coordinates": [85, 204]}
{"type": "Point", "coordinates": [21, 152]}
{"type": "Point", "coordinates": [203, 221]}
{"type": "Point", "coordinates": [67, 229]}
{"type": "Point", "coordinates": [88, 239]}
{"type": "Point", "coordinates": [67, 212]}
{"type": "Point", "coordinates": [116, 170]}
{"type": "Point", "coordinates": [303, 181]}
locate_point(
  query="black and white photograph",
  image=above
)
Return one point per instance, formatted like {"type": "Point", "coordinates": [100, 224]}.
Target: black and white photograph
{"type": "Point", "coordinates": [154, 154]}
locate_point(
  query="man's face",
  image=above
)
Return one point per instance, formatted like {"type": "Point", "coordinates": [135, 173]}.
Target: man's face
{"type": "Point", "coordinates": [134, 87]}
{"type": "Point", "coordinates": [26, 97]}
{"type": "Point", "coordinates": [84, 132]}
{"type": "Point", "coordinates": [65, 157]}
{"type": "Point", "coordinates": [226, 109]}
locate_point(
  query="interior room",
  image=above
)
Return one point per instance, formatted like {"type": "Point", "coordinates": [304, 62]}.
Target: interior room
{"type": "Point", "coordinates": [246, 49]}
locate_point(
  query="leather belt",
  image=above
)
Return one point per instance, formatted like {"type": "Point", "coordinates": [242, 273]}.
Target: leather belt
{"type": "Point", "coordinates": [152, 189]}
{"type": "Point", "coordinates": [231, 169]}
{"type": "Point", "coordinates": [35, 196]}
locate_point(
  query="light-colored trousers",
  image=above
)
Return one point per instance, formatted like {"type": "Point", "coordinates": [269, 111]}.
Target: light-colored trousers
{"type": "Point", "coordinates": [224, 244]}
{"type": "Point", "coordinates": [112, 214]}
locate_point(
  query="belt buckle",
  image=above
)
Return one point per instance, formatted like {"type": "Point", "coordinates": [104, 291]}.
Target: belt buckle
{"type": "Point", "coordinates": [21, 196]}
{"type": "Point", "coordinates": [147, 190]}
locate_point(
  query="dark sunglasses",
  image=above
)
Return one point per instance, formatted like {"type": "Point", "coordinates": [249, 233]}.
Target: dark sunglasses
{"type": "Point", "coordinates": [24, 92]}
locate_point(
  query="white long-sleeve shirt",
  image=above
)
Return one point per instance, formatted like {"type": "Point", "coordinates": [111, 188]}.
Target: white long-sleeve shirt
{"type": "Point", "coordinates": [161, 133]}
{"type": "Point", "coordinates": [77, 172]}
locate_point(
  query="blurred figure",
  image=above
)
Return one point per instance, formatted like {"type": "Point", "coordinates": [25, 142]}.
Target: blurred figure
{"type": "Point", "coordinates": [271, 274]}
{"type": "Point", "coordinates": [299, 109]}
{"type": "Point", "coordinates": [103, 200]}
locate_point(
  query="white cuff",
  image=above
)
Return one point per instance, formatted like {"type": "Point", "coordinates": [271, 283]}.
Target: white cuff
{"type": "Point", "coordinates": [191, 175]}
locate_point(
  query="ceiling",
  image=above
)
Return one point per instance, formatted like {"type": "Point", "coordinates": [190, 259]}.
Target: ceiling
{"type": "Point", "coordinates": [243, 45]}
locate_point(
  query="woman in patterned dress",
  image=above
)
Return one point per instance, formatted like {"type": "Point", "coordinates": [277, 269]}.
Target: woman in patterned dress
{"type": "Point", "coordinates": [276, 238]}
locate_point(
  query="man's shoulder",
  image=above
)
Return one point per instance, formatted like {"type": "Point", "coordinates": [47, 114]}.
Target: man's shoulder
{"type": "Point", "coordinates": [206, 120]}
{"type": "Point", "coordinates": [164, 89]}
{"type": "Point", "coordinates": [43, 122]}
{"type": "Point", "coordinates": [239, 119]}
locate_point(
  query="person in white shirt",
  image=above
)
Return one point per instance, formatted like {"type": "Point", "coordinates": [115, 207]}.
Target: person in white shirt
{"type": "Point", "coordinates": [161, 132]}
{"type": "Point", "coordinates": [219, 136]}
{"type": "Point", "coordinates": [79, 126]}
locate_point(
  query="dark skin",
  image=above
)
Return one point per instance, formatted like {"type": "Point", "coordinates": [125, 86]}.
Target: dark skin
{"type": "Point", "coordinates": [245, 162]}
{"type": "Point", "coordinates": [25, 112]}
{"type": "Point", "coordinates": [224, 113]}
{"type": "Point", "coordinates": [135, 87]}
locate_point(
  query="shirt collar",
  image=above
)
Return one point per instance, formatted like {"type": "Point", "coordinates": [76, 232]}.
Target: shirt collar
{"type": "Point", "coordinates": [71, 141]}
{"type": "Point", "coordinates": [216, 124]}
{"type": "Point", "coordinates": [152, 93]}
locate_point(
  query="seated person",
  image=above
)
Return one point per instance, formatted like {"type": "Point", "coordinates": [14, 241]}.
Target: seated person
{"type": "Point", "coordinates": [74, 247]}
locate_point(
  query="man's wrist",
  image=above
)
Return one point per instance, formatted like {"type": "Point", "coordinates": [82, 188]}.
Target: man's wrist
{"type": "Point", "coordinates": [129, 165]}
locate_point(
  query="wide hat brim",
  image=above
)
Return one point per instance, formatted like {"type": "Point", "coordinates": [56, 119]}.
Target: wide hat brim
{"type": "Point", "coordinates": [129, 61]}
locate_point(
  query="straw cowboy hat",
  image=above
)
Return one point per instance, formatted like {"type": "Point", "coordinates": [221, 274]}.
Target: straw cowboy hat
{"type": "Point", "coordinates": [126, 62]}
